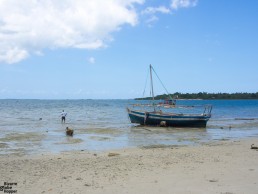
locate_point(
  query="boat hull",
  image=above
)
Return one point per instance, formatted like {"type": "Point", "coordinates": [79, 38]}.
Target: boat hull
{"type": "Point", "coordinates": [173, 120]}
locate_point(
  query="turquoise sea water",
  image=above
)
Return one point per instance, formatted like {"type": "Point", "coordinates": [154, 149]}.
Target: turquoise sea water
{"type": "Point", "coordinates": [104, 125]}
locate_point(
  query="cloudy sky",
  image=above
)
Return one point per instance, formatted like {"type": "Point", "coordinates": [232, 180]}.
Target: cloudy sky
{"type": "Point", "coordinates": [81, 49]}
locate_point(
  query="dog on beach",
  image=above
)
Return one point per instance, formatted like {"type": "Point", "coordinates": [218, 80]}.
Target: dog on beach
{"type": "Point", "coordinates": [69, 132]}
{"type": "Point", "coordinates": [163, 124]}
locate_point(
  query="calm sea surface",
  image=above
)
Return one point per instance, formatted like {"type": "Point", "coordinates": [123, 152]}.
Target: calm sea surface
{"type": "Point", "coordinates": [103, 124]}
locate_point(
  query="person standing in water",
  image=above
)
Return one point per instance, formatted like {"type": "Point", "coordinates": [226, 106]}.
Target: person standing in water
{"type": "Point", "coordinates": [63, 115]}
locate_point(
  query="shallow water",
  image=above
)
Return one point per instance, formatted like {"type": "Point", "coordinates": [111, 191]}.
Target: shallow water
{"type": "Point", "coordinates": [103, 124]}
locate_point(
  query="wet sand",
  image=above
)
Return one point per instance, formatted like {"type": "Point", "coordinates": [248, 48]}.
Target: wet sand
{"type": "Point", "coordinates": [224, 167]}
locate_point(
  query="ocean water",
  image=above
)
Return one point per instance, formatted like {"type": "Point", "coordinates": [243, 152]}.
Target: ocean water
{"type": "Point", "coordinates": [34, 126]}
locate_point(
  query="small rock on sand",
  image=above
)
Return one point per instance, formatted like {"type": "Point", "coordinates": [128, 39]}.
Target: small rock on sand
{"type": "Point", "coordinates": [113, 154]}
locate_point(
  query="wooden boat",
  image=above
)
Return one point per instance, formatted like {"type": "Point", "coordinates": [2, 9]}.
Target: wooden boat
{"type": "Point", "coordinates": [156, 114]}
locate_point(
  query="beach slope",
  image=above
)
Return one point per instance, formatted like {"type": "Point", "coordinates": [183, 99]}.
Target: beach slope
{"type": "Point", "coordinates": [224, 167]}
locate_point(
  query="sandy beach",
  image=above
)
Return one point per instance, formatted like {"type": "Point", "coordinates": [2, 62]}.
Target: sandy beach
{"type": "Point", "coordinates": [224, 167]}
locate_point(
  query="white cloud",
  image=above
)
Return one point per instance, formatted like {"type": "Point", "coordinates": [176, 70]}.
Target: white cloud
{"type": "Point", "coordinates": [39, 53]}
{"type": "Point", "coordinates": [152, 19]}
{"type": "Point", "coordinates": [31, 25]}
{"type": "Point", "coordinates": [153, 10]}
{"type": "Point", "coordinates": [12, 54]}
{"type": "Point", "coordinates": [176, 4]}
{"type": "Point", "coordinates": [91, 60]}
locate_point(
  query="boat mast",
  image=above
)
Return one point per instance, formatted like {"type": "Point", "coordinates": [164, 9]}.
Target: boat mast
{"type": "Point", "coordinates": [152, 86]}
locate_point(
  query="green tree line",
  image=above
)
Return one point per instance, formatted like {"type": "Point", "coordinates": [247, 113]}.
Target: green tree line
{"type": "Point", "coordinates": [205, 96]}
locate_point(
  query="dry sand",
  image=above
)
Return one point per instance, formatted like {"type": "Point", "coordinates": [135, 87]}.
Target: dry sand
{"type": "Point", "coordinates": [224, 167]}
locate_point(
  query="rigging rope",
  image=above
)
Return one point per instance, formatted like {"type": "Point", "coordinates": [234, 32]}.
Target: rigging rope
{"type": "Point", "coordinates": [162, 83]}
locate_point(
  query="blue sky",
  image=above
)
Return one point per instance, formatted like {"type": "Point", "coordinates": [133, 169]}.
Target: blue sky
{"type": "Point", "coordinates": [95, 49]}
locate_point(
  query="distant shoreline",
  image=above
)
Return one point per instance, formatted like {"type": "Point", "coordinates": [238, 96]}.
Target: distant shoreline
{"type": "Point", "coordinates": [205, 96]}
{"type": "Point", "coordinates": [198, 99]}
